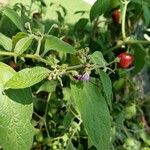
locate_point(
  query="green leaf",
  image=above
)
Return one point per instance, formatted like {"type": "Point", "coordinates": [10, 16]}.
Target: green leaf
{"type": "Point", "coordinates": [70, 147]}
{"type": "Point", "coordinates": [139, 59]}
{"type": "Point", "coordinates": [66, 94]}
{"type": "Point", "coordinates": [81, 24]}
{"type": "Point", "coordinates": [114, 4]}
{"type": "Point", "coordinates": [99, 8]}
{"type": "Point", "coordinates": [137, 1]}
{"type": "Point", "coordinates": [48, 86]}
{"type": "Point", "coordinates": [145, 2]}
{"type": "Point", "coordinates": [120, 118]}
{"type": "Point", "coordinates": [98, 59]}
{"type": "Point", "coordinates": [17, 37]}
{"type": "Point", "coordinates": [5, 42]}
{"type": "Point", "coordinates": [60, 17]}
{"type": "Point", "coordinates": [22, 45]}
{"type": "Point", "coordinates": [68, 119]}
{"type": "Point", "coordinates": [4, 76]}
{"type": "Point", "coordinates": [107, 86]}
{"type": "Point", "coordinates": [27, 78]}
{"type": "Point", "coordinates": [54, 43]}
{"type": "Point", "coordinates": [94, 113]}
{"type": "Point", "coordinates": [16, 109]}
{"type": "Point", "coordinates": [146, 15]}
{"type": "Point", "coordinates": [14, 17]}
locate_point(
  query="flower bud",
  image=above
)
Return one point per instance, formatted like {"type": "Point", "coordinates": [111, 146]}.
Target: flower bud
{"type": "Point", "coordinates": [85, 77]}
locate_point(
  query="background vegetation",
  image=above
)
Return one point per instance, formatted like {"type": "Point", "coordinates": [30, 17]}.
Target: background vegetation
{"type": "Point", "coordinates": [75, 76]}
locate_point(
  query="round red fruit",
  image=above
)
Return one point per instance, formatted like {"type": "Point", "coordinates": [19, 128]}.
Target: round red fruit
{"type": "Point", "coordinates": [125, 60]}
{"type": "Point", "coordinates": [116, 16]}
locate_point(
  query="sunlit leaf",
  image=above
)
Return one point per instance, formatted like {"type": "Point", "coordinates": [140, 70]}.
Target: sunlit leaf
{"type": "Point", "coordinates": [16, 109]}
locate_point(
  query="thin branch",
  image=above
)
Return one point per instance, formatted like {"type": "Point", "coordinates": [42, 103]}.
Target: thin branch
{"type": "Point", "coordinates": [32, 56]}
{"type": "Point", "coordinates": [112, 49]}
{"type": "Point", "coordinates": [131, 42]}
{"type": "Point", "coordinates": [45, 115]}
{"type": "Point", "coordinates": [125, 4]}
{"type": "Point", "coordinates": [137, 42]}
{"type": "Point", "coordinates": [75, 67]}
{"type": "Point", "coordinates": [40, 59]}
{"type": "Point", "coordinates": [73, 133]}
{"type": "Point", "coordinates": [39, 46]}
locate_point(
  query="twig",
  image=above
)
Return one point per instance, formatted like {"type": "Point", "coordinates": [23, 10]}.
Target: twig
{"type": "Point", "coordinates": [32, 56]}
{"type": "Point", "coordinates": [125, 4]}
{"type": "Point", "coordinates": [127, 42]}
{"type": "Point", "coordinates": [45, 115]}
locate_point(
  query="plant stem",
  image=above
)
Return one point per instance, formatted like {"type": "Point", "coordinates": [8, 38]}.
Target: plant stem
{"type": "Point", "coordinates": [39, 46]}
{"type": "Point", "coordinates": [38, 115]}
{"type": "Point", "coordinates": [29, 27]}
{"type": "Point", "coordinates": [123, 28]}
{"type": "Point", "coordinates": [40, 59]}
{"type": "Point", "coordinates": [4, 53]}
{"type": "Point", "coordinates": [111, 49]}
{"type": "Point", "coordinates": [45, 115]}
{"type": "Point", "coordinates": [127, 43]}
{"type": "Point", "coordinates": [32, 56]}
{"type": "Point", "coordinates": [36, 57]}
{"type": "Point", "coordinates": [73, 133]}
{"type": "Point", "coordinates": [126, 132]}
{"type": "Point", "coordinates": [75, 67]}
{"type": "Point", "coordinates": [137, 42]}
{"type": "Point", "coordinates": [51, 28]}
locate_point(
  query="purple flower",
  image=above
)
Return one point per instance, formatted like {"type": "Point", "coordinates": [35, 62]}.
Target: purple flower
{"type": "Point", "coordinates": [84, 77]}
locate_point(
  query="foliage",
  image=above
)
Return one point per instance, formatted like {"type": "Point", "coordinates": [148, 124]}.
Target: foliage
{"type": "Point", "coordinates": [61, 87]}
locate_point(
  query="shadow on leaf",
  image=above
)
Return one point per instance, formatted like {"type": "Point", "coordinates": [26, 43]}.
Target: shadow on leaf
{"type": "Point", "coordinates": [22, 96]}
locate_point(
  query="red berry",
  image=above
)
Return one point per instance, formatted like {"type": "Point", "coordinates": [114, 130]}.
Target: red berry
{"type": "Point", "coordinates": [116, 15]}
{"type": "Point", "coordinates": [125, 60]}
